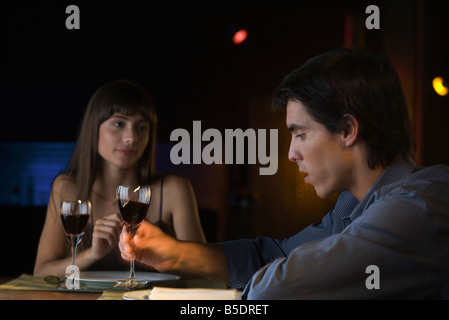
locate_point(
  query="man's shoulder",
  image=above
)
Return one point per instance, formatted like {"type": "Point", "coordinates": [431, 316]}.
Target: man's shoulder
{"type": "Point", "coordinates": [440, 171]}
{"type": "Point", "coordinates": [421, 177]}
{"type": "Point", "coordinates": [436, 186]}
{"type": "Point", "coordinates": [425, 183]}
{"type": "Point", "coordinates": [424, 177]}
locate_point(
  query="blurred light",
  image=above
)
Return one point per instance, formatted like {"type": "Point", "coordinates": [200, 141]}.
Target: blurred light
{"type": "Point", "coordinates": [240, 36]}
{"type": "Point", "coordinates": [439, 86]}
{"type": "Point", "coordinates": [27, 170]}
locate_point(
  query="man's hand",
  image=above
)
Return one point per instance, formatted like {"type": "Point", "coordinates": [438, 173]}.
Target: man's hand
{"type": "Point", "coordinates": [151, 246]}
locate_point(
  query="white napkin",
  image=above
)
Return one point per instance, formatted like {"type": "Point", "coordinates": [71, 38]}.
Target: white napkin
{"type": "Point", "coordinates": [159, 293]}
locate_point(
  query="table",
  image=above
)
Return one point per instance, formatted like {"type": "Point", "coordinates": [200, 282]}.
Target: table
{"type": "Point", "coordinates": [44, 295]}
{"type": "Point", "coordinates": [27, 287]}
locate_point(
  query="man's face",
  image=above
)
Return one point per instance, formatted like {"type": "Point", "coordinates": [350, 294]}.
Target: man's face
{"type": "Point", "coordinates": [320, 154]}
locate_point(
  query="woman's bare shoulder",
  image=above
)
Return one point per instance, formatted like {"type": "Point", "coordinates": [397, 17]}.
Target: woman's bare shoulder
{"type": "Point", "coordinates": [63, 184]}
{"type": "Point", "coordinates": [62, 179]}
{"type": "Point", "coordinates": [175, 181]}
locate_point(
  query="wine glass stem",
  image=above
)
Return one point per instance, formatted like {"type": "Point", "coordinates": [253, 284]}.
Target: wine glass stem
{"type": "Point", "coordinates": [132, 232]}
{"type": "Point", "coordinates": [74, 242]}
{"type": "Point", "coordinates": [131, 270]}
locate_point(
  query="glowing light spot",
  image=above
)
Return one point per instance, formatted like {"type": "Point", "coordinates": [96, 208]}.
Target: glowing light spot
{"type": "Point", "coordinates": [240, 36]}
{"type": "Point", "coordinates": [439, 86]}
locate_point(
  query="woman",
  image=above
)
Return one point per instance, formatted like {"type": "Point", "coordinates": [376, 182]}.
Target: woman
{"type": "Point", "coordinates": [116, 145]}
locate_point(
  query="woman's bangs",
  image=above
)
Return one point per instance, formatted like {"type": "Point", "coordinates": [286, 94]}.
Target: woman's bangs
{"type": "Point", "coordinates": [131, 109]}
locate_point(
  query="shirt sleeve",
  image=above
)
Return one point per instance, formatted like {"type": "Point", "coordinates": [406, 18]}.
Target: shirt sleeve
{"type": "Point", "coordinates": [396, 235]}
{"type": "Point", "coordinates": [245, 257]}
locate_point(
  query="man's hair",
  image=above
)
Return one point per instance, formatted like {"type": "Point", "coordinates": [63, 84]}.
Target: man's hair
{"type": "Point", "coordinates": [358, 82]}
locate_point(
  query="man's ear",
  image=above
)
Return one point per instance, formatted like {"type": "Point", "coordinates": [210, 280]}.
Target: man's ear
{"type": "Point", "coordinates": [350, 130]}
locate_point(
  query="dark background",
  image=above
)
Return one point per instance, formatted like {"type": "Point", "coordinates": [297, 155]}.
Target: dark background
{"type": "Point", "coordinates": [182, 52]}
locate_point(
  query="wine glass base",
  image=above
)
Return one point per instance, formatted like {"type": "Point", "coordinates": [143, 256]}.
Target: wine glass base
{"type": "Point", "coordinates": [132, 281]}
{"type": "Point", "coordinates": [130, 284]}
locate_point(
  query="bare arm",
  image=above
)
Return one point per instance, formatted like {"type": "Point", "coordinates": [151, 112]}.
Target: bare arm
{"type": "Point", "coordinates": [52, 255]}
{"type": "Point", "coordinates": [154, 248]}
{"type": "Point", "coordinates": [181, 202]}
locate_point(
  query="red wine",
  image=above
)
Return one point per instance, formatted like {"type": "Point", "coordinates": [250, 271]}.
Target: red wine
{"type": "Point", "coordinates": [74, 225]}
{"type": "Point", "coordinates": [133, 213]}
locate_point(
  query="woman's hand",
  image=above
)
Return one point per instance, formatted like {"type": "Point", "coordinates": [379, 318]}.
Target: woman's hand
{"type": "Point", "coordinates": [106, 235]}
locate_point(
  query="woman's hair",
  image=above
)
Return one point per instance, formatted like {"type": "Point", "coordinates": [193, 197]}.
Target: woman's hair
{"type": "Point", "coordinates": [358, 82]}
{"type": "Point", "coordinates": [119, 96]}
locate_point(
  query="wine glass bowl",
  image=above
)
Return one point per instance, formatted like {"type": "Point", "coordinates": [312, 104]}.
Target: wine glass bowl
{"type": "Point", "coordinates": [133, 202]}
{"type": "Point", "coordinates": [74, 217]}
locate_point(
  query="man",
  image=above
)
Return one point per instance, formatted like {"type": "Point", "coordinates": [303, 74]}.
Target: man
{"type": "Point", "coordinates": [388, 234]}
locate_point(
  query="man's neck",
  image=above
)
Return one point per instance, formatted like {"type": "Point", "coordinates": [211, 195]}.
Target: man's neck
{"type": "Point", "coordinates": [365, 179]}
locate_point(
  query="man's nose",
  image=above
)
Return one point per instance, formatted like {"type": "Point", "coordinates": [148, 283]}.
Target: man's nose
{"type": "Point", "coordinates": [294, 154]}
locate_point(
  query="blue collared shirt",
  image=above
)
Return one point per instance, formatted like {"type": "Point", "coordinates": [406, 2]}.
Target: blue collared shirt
{"type": "Point", "coordinates": [401, 227]}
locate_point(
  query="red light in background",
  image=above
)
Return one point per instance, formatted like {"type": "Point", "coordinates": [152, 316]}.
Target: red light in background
{"type": "Point", "coordinates": [240, 36]}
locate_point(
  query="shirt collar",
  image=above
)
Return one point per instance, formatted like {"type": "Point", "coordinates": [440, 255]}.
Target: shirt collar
{"type": "Point", "coordinates": [397, 170]}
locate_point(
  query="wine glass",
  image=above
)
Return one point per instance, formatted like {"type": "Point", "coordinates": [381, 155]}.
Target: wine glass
{"type": "Point", "coordinates": [133, 203]}
{"type": "Point", "coordinates": [74, 217]}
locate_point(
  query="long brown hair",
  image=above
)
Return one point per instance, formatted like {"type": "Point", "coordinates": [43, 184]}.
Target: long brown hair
{"type": "Point", "coordinates": [122, 96]}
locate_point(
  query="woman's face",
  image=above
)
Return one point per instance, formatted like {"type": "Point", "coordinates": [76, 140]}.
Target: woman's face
{"type": "Point", "coordinates": [123, 139]}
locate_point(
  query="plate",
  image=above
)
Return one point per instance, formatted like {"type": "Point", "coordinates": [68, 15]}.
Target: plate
{"type": "Point", "coordinates": [137, 295]}
{"type": "Point", "coordinates": [107, 279]}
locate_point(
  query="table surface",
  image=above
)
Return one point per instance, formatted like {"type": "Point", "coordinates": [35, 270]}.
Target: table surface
{"type": "Point", "coordinates": [44, 295]}
{"type": "Point", "coordinates": [80, 295]}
